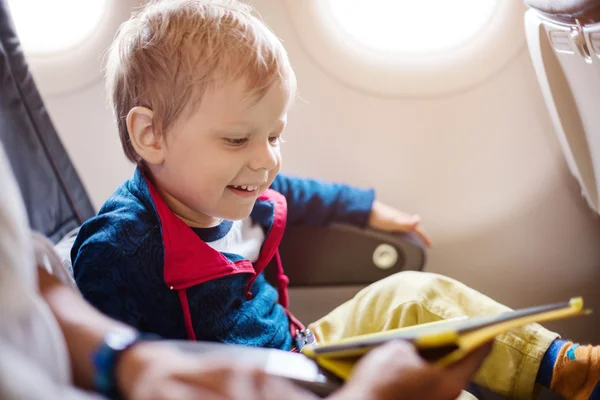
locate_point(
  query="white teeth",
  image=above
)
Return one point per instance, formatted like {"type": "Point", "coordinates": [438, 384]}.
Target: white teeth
{"type": "Point", "coordinates": [246, 187]}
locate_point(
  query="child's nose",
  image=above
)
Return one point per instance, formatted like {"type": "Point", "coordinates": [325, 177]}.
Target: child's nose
{"type": "Point", "coordinates": [264, 157]}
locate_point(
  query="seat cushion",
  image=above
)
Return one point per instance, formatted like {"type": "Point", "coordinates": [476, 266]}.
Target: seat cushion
{"type": "Point", "coordinates": [586, 11]}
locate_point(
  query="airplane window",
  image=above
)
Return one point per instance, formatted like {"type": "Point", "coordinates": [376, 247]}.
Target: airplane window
{"type": "Point", "coordinates": [47, 27]}
{"type": "Point", "coordinates": [413, 48]}
{"type": "Point", "coordinates": [409, 26]}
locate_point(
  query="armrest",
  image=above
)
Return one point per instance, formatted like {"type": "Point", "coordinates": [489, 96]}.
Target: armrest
{"type": "Point", "coordinates": [346, 255]}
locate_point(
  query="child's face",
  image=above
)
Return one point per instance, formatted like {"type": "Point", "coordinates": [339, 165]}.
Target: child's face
{"type": "Point", "coordinates": [220, 159]}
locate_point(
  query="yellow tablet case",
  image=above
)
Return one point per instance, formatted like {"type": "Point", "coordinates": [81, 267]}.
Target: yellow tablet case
{"type": "Point", "coordinates": [442, 342]}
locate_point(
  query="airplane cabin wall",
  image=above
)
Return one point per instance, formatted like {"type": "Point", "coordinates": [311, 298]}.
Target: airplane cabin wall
{"type": "Point", "coordinates": [482, 167]}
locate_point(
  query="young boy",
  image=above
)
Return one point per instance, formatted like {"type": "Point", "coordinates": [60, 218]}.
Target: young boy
{"type": "Point", "coordinates": [201, 91]}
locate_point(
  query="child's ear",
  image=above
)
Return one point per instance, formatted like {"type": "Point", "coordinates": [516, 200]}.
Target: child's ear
{"type": "Point", "coordinates": [146, 141]}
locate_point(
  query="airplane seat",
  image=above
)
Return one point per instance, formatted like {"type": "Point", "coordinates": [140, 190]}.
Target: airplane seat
{"type": "Point", "coordinates": [563, 37]}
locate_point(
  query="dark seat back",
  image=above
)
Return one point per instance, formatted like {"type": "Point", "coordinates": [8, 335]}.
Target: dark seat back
{"type": "Point", "coordinates": [55, 198]}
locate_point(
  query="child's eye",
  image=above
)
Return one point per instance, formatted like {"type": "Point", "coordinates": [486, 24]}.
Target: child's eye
{"type": "Point", "coordinates": [276, 139]}
{"type": "Point", "coordinates": [236, 141]}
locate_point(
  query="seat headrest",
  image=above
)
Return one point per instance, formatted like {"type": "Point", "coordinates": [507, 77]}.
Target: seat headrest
{"type": "Point", "coordinates": [585, 11]}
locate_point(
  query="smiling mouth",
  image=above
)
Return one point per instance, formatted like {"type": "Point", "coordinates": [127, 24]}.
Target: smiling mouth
{"type": "Point", "coordinates": [248, 188]}
{"type": "Point", "coordinates": [244, 190]}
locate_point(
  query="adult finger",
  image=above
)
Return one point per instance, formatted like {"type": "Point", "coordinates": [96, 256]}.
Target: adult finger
{"type": "Point", "coordinates": [463, 370]}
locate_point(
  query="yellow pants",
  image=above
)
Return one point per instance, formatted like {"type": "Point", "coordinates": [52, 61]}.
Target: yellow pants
{"type": "Point", "coordinates": [410, 298]}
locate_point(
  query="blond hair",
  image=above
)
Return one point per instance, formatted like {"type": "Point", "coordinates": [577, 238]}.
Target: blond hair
{"type": "Point", "coordinates": [167, 54]}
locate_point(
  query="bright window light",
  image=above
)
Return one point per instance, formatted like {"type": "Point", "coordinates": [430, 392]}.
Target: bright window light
{"type": "Point", "coordinates": [410, 26]}
{"type": "Point", "coordinates": [51, 26]}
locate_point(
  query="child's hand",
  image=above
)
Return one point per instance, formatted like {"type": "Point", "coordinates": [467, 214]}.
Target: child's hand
{"type": "Point", "coordinates": [388, 219]}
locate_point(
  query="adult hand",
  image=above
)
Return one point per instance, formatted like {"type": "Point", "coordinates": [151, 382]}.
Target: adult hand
{"type": "Point", "coordinates": [396, 371]}
{"type": "Point", "coordinates": [156, 371]}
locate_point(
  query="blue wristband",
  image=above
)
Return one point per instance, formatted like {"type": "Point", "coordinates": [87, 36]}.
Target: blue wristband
{"type": "Point", "coordinates": [106, 356]}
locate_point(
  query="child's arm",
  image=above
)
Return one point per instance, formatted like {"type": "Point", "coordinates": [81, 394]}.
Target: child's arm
{"type": "Point", "coordinates": [100, 274]}
{"type": "Point", "coordinates": [316, 202]}
{"type": "Point", "coordinates": [121, 285]}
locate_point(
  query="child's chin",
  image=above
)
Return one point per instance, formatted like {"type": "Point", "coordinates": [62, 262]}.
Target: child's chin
{"type": "Point", "coordinates": [237, 215]}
